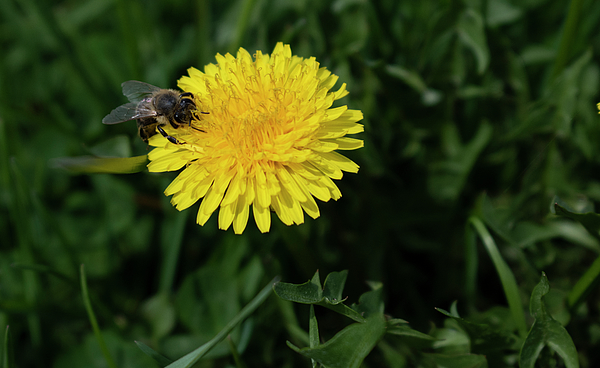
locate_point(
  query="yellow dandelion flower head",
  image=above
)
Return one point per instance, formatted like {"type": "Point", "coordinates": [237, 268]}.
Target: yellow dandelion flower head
{"type": "Point", "coordinates": [264, 136]}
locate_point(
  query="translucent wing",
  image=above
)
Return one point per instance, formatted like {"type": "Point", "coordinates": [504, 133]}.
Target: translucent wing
{"type": "Point", "coordinates": [129, 111]}
{"type": "Point", "coordinates": [136, 91]}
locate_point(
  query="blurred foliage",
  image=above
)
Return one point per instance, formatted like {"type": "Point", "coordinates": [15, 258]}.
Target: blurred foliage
{"type": "Point", "coordinates": [473, 109]}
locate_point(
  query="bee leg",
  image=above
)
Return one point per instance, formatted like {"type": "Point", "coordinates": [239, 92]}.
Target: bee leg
{"type": "Point", "coordinates": [166, 135]}
{"type": "Point", "coordinates": [195, 115]}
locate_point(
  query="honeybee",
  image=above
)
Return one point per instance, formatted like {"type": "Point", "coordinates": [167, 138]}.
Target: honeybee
{"type": "Point", "coordinates": [153, 107]}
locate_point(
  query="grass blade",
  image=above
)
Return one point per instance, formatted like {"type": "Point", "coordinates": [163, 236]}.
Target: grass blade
{"type": "Point", "coordinates": [93, 321]}
{"type": "Point", "coordinates": [313, 331]}
{"type": "Point", "coordinates": [568, 38]}
{"type": "Point", "coordinates": [159, 358]}
{"type": "Point", "coordinates": [507, 278]}
{"type": "Point", "coordinates": [8, 356]}
{"type": "Point", "coordinates": [586, 283]}
{"type": "Point", "coordinates": [235, 353]}
{"type": "Point", "coordinates": [191, 358]}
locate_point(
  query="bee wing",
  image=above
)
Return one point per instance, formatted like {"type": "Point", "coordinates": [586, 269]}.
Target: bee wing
{"type": "Point", "coordinates": [129, 111]}
{"type": "Point", "coordinates": [136, 91]}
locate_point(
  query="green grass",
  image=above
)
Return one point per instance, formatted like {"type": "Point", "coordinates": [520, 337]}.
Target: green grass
{"type": "Point", "coordinates": [479, 116]}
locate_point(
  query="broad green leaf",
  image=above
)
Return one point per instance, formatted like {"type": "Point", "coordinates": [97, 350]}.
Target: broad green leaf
{"type": "Point", "coordinates": [501, 12]}
{"type": "Point", "coordinates": [411, 337]}
{"type": "Point", "coordinates": [370, 303]}
{"type": "Point", "coordinates": [344, 310]}
{"type": "Point", "coordinates": [499, 220]}
{"type": "Point", "coordinates": [429, 97]}
{"type": "Point", "coordinates": [451, 339]}
{"type": "Point", "coordinates": [554, 112]}
{"type": "Point", "coordinates": [546, 332]}
{"type": "Point", "coordinates": [590, 220]}
{"type": "Point", "coordinates": [46, 270]}
{"type": "Point", "coordinates": [459, 360]}
{"type": "Point", "coordinates": [411, 78]}
{"type": "Point", "coordinates": [484, 338]}
{"type": "Point", "coordinates": [395, 358]}
{"type": "Point", "coordinates": [209, 298]}
{"type": "Point", "coordinates": [349, 347]}
{"type": "Point", "coordinates": [159, 358]}
{"type": "Point", "coordinates": [97, 165]}
{"type": "Point", "coordinates": [527, 233]}
{"type": "Point", "coordinates": [447, 178]}
{"type": "Point", "coordinates": [472, 33]}
{"type": "Point", "coordinates": [396, 321]}
{"type": "Point", "coordinates": [160, 314]}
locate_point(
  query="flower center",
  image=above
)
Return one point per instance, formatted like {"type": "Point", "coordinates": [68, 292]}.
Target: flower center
{"type": "Point", "coordinates": [257, 126]}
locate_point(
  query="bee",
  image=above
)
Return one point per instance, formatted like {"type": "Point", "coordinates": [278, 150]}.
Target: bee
{"type": "Point", "coordinates": [153, 107]}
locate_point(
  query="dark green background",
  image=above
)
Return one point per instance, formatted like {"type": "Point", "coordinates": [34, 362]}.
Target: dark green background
{"type": "Point", "coordinates": [470, 107]}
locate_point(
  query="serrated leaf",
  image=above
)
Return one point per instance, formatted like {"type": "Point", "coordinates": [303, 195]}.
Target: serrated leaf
{"type": "Point", "coordinates": [349, 347]}
{"type": "Point", "coordinates": [546, 332]}
{"type": "Point", "coordinates": [98, 165]}
{"type": "Point", "coordinates": [311, 292]}
{"type": "Point", "coordinates": [333, 287]}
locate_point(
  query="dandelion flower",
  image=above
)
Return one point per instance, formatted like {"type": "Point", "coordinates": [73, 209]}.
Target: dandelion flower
{"type": "Point", "coordinates": [267, 139]}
